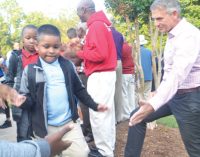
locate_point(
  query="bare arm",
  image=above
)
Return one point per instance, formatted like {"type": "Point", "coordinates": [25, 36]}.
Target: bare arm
{"type": "Point", "coordinates": [50, 146]}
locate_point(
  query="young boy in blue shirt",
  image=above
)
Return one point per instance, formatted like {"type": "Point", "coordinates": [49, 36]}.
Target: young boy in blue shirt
{"type": "Point", "coordinates": [53, 100]}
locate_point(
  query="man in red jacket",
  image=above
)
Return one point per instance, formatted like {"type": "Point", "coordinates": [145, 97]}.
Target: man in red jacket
{"type": "Point", "coordinates": [128, 82]}
{"type": "Point", "coordinates": [100, 60]}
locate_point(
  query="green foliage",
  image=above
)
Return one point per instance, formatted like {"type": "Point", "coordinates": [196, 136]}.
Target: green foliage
{"type": "Point", "coordinates": [12, 14]}
{"type": "Point", "coordinates": [13, 19]}
{"type": "Point", "coordinates": [191, 11]}
{"type": "Point", "coordinates": [35, 18]}
{"type": "Point", "coordinates": [120, 24]}
{"type": "Point", "coordinates": [169, 121]}
{"type": "Point", "coordinates": [136, 13]}
{"type": "Point", "coordinates": [5, 37]}
{"type": "Point", "coordinates": [132, 8]}
{"type": "Point", "coordinates": [64, 22]}
{"type": "Point", "coordinates": [121, 8]}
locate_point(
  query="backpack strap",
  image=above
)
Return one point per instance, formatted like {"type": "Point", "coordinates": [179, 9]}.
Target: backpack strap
{"type": "Point", "coordinates": [17, 54]}
{"type": "Point", "coordinates": [31, 74]}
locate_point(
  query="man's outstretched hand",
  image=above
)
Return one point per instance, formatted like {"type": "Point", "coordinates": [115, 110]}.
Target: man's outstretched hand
{"type": "Point", "coordinates": [144, 110]}
{"type": "Point", "coordinates": [55, 140]}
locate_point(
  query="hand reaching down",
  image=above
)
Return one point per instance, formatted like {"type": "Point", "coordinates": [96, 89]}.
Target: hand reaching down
{"type": "Point", "coordinates": [55, 140]}
{"type": "Point", "coordinates": [102, 108]}
{"type": "Point", "coordinates": [2, 104]}
{"type": "Point", "coordinates": [144, 110]}
{"type": "Point", "coordinates": [11, 96]}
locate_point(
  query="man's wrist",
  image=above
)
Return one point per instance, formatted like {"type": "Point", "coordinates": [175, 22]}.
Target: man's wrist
{"type": "Point", "coordinates": [153, 103]}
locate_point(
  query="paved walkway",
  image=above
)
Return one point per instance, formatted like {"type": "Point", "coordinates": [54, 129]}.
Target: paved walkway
{"type": "Point", "coordinates": [8, 133]}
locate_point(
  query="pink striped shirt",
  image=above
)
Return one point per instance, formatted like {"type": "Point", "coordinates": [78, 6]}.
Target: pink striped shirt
{"type": "Point", "coordinates": [182, 63]}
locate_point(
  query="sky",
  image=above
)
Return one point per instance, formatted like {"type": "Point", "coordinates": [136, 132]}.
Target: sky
{"type": "Point", "coordinates": [52, 8]}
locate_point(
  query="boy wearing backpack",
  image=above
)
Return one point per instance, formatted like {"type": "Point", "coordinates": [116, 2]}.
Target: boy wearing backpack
{"type": "Point", "coordinates": [19, 59]}
{"type": "Point", "coordinates": [51, 86]}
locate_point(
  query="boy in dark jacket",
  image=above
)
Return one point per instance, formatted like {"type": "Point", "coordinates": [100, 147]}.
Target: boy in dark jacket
{"type": "Point", "coordinates": [49, 146]}
{"type": "Point", "coordinates": [19, 59]}
{"type": "Point", "coordinates": [52, 90]}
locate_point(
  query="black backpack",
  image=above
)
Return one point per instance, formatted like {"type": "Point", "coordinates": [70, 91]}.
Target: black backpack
{"type": "Point", "coordinates": [31, 74]}
{"type": "Point", "coordinates": [16, 111]}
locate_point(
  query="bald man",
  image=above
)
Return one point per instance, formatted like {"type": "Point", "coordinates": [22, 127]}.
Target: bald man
{"type": "Point", "coordinates": [100, 61]}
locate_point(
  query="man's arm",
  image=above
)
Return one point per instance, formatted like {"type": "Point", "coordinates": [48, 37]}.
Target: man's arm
{"type": "Point", "coordinates": [183, 61]}
{"type": "Point", "coordinates": [83, 95]}
{"type": "Point", "coordinates": [24, 149]}
{"type": "Point", "coordinates": [96, 48]}
{"type": "Point", "coordinates": [50, 146]}
{"type": "Point", "coordinates": [55, 140]}
{"type": "Point", "coordinates": [177, 68]}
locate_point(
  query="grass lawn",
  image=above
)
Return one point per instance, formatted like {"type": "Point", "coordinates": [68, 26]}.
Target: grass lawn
{"type": "Point", "coordinates": [169, 121]}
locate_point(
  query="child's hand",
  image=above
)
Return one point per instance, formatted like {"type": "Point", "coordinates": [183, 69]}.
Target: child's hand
{"type": "Point", "coordinates": [102, 108]}
{"type": "Point", "coordinates": [17, 100]}
{"type": "Point", "coordinates": [75, 44]}
{"type": "Point", "coordinates": [75, 41]}
{"type": "Point", "coordinates": [11, 96]}
{"type": "Point", "coordinates": [14, 98]}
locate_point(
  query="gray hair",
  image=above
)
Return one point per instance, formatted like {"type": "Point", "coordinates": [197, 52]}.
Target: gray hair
{"type": "Point", "coordinates": [169, 5]}
{"type": "Point", "coordinates": [88, 4]}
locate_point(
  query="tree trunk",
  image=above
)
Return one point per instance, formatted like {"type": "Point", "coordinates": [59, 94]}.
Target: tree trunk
{"type": "Point", "coordinates": [154, 37]}
{"type": "Point", "coordinates": [139, 76]}
{"type": "Point", "coordinates": [139, 71]}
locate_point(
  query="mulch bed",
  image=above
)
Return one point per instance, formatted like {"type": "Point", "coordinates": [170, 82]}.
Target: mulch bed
{"type": "Point", "coordinates": [160, 142]}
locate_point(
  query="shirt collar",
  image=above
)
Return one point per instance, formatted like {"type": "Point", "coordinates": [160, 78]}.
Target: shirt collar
{"type": "Point", "coordinates": [28, 54]}
{"type": "Point", "coordinates": [177, 29]}
{"type": "Point", "coordinates": [45, 64]}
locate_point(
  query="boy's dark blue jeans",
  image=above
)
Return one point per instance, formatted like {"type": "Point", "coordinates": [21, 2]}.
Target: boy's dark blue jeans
{"type": "Point", "coordinates": [24, 127]}
{"type": "Point", "coordinates": [186, 109]}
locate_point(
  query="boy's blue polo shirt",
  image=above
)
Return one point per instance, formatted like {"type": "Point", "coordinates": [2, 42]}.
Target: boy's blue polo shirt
{"type": "Point", "coordinates": [58, 111]}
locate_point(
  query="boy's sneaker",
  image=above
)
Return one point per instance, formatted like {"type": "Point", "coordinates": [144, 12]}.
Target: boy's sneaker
{"type": "Point", "coordinates": [94, 152]}
{"type": "Point", "coordinates": [6, 124]}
